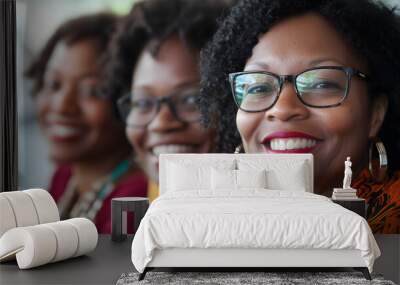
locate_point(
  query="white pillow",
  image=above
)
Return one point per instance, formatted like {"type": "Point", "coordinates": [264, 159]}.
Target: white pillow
{"type": "Point", "coordinates": [186, 174]}
{"type": "Point", "coordinates": [282, 174]}
{"type": "Point", "coordinates": [230, 180]}
{"type": "Point", "coordinates": [251, 178]}
{"type": "Point", "coordinates": [223, 179]}
{"type": "Point", "coordinates": [181, 177]}
{"type": "Point", "coordinates": [294, 179]}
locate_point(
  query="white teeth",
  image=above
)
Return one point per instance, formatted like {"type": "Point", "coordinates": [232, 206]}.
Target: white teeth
{"type": "Point", "coordinates": [291, 143]}
{"type": "Point", "coordinates": [63, 131]}
{"type": "Point", "coordinates": [173, 148]}
{"type": "Point", "coordinates": [282, 144]}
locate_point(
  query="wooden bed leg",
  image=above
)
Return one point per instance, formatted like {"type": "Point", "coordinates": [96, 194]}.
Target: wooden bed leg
{"type": "Point", "coordinates": [364, 271]}
{"type": "Point", "coordinates": [143, 274]}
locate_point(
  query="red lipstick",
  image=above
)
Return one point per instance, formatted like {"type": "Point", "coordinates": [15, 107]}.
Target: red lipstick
{"type": "Point", "coordinates": [285, 135]}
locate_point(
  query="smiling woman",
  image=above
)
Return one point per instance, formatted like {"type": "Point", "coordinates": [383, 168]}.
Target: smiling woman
{"type": "Point", "coordinates": [154, 61]}
{"type": "Point", "coordinates": [311, 77]}
{"type": "Point", "coordinates": [86, 141]}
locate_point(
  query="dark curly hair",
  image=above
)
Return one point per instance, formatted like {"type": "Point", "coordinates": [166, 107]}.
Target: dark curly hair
{"type": "Point", "coordinates": [148, 25]}
{"type": "Point", "coordinates": [98, 27]}
{"type": "Point", "coordinates": [371, 28]}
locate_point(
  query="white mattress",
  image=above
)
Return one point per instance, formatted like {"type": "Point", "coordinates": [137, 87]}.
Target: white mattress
{"type": "Point", "coordinates": [256, 218]}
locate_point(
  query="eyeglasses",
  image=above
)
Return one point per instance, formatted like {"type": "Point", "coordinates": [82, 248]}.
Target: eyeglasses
{"type": "Point", "coordinates": [140, 112]}
{"type": "Point", "coordinates": [319, 87]}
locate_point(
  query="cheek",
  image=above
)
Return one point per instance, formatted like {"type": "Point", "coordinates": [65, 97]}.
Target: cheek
{"type": "Point", "coordinates": [103, 128]}
{"type": "Point", "coordinates": [199, 133]}
{"type": "Point", "coordinates": [335, 124]}
{"type": "Point", "coordinates": [136, 139]}
{"type": "Point", "coordinates": [349, 121]}
{"type": "Point", "coordinates": [346, 134]}
{"type": "Point", "coordinates": [43, 107]}
{"type": "Point", "coordinates": [247, 124]}
{"type": "Point", "coordinates": [98, 114]}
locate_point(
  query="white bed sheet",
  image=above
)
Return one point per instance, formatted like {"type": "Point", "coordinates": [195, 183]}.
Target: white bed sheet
{"type": "Point", "coordinates": [256, 218]}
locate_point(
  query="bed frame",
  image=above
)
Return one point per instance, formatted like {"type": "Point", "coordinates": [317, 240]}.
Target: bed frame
{"type": "Point", "coordinates": [246, 259]}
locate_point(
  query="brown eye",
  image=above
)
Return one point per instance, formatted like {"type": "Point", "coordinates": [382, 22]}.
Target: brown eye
{"type": "Point", "coordinates": [52, 85]}
{"type": "Point", "coordinates": [143, 105]}
{"type": "Point", "coordinates": [188, 100]}
{"type": "Point", "coordinates": [87, 90]}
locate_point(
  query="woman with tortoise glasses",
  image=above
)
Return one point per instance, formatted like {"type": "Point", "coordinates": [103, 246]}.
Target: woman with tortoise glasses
{"type": "Point", "coordinates": [312, 77]}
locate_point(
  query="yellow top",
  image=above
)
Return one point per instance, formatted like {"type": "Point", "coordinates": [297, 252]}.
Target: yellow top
{"type": "Point", "coordinates": [152, 190]}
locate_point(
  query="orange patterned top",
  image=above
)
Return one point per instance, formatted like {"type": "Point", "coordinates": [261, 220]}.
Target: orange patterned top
{"type": "Point", "coordinates": [383, 212]}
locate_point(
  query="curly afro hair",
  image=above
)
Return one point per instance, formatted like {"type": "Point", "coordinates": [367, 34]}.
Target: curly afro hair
{"type": "Point", "coordinates": [148, 25]}
{"type": "Point", "coordinates": [371, 28]}
{"type": "Point", "coordinates": [98, 27]}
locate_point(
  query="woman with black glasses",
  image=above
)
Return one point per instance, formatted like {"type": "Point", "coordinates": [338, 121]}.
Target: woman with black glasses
{"type": "Point", "coordinates": [313, 77]}
{"type": "Point", "coordinates": [154, 63]}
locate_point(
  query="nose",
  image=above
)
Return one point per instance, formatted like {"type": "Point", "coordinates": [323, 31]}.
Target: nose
{"type": "Point", "coordinates": [165, 121]}
{"type": "Point", "coordinates": [288, 107]}
{"type": "Point", "coordinates": [65, 101]}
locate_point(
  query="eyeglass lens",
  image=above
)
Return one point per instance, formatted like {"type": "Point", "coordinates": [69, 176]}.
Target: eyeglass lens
{"type": "Point", "coordinates": [141, 111]}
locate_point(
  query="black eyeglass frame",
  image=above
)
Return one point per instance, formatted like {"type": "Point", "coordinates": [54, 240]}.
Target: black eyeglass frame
{"type": "Point", "coordinates": [168, 100]}
{"type": "Point", "coordinates": [349, 71]}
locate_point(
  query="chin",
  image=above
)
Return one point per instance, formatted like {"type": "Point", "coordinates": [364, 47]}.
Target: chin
{"type": "Point", "coordinates": [59, 159]}
{"type": "Point", "coordinates": [63, 157]}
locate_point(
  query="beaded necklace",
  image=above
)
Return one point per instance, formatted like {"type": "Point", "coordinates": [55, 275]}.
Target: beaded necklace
{"type": "Point", "coordinates": [89, 203]}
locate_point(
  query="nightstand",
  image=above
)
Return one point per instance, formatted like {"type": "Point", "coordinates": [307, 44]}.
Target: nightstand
{"type": "Point", "coordinates": [119, 207]}
{"type": "Point", "coordinates": [356, 205]}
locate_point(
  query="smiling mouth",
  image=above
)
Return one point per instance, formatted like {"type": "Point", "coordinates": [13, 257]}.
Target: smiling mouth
{"type": "Point", "coordinates": [285, 144]}
{"type": "Point", "coordinates": [63, 132]}
{"type": "Point", "coordinates": [173, 148]}
{"type": "Point", "coordinates": [290, 142]}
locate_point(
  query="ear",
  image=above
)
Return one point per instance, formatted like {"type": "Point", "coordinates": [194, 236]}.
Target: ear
{"type": "Point", "coordinates": [378, 112]}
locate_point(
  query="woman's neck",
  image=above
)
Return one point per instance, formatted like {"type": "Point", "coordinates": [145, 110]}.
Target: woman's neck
{"type": "Point", "coordinates": [89, 171]}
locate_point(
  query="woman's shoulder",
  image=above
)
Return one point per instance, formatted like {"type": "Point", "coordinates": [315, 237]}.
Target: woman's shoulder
{"type": "Point", "coordinates": [383, 199]}
{"type": "Point", "coordinates": [384, 193]}
{"type": "Point", "coordinates": [59, 181]}
{"type": "Point", "coordinates": [366, 182]}
{"type": "Point", "coordinates": [135, 184]}
{"type": "Point", "coordinates": [391, 185]}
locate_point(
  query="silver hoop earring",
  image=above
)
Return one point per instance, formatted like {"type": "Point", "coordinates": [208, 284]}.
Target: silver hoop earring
{"type": "Point", "coordinates": [238, 149]}
{"type": "Point", "coordinates": [378, 170]}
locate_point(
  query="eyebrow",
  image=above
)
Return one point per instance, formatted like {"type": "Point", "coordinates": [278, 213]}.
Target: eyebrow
{"type": "Point", "coordinates": [260, 64]}
{"type": "Point", "coordinates": [146, 90]}
{"type": "Point", "coordinates": [321, 60]}
{"type": "Point", "coordinates": [193, 83]}
{"type": "Point", "coordinates": [89, 73]}
{"type": "Point", "coordinates": [80, 77]}
{"type": "Point", "coordinates": [265, 66]}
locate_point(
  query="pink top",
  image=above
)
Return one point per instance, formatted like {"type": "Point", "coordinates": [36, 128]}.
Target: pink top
{"type": "Point", "coordinates": [133, 186]}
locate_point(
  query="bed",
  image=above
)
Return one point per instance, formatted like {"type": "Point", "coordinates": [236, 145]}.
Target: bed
{"type": "Point", "coordinates": [245, 211]}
